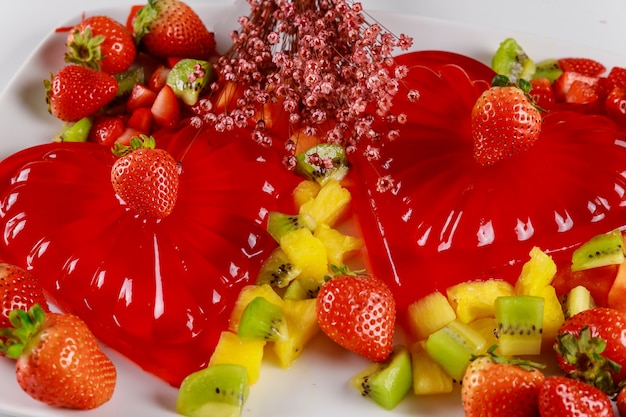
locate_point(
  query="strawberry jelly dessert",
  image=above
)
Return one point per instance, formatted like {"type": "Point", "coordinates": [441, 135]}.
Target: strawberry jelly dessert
{"type": "Point", "coordinates": [158, 291]}
{"type": "Point", "coordinates": [446, 219]}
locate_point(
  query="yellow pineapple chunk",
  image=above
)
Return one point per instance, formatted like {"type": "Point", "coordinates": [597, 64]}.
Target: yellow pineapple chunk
{"type": "Point", "coordinates": [486, 327]}
{"type": "Point", "coordinates": [305, 191]}
{"type": "Point", "coordinates": [302, 326]}
{"type": "Point", "coordinates": [308, 254]}
{"type": "Point", "coordinates": [247, 294]}
{"type": "Point", "coordinates": [329, 205]}
{"type": "Point", "coordinates": [230, 349]}
{"type": "Point", "coordinates": [429, 314]}
{"type": "Point", "coordinates": [428, 377]}
{"type": "Point", "coordinates": [338, 245]}
{"type": "Point", "coordinates": [553, 315]}
{"type": "Point", "coordinates": [475, 299]}
{"type": "Point", "coordinates": [537, 272]}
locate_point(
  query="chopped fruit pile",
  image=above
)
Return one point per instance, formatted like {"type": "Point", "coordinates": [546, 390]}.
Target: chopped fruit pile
{"type": "Point", "coordinates": [487, 225]}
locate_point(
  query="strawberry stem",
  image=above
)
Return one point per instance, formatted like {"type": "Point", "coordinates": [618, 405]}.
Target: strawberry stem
{"type": "Point", "coordinates": [25, 325]}
{"type": "Point", "coordinates": [137, 142]}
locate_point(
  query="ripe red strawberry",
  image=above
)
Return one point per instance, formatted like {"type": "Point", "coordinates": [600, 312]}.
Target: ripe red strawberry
{"type": "Point", "coordinates": [494, 388]}
{"type": "Point", "coordinates": [617, 77]}
{"type": "Point", "coordinates": [358, 312]}
{"type": "Point", "coordinates": [590, 347]}
{"type": "Point", "coordinates": [76, 92]}
{"type": "Point", "coordinates": [542, 94]}
{"type": "Point", "coordinates": [562, 396]}
{"type": "Point", "coordinates": [504, 123]}
{"type": "Point", "coordinates": [145, 178]}
{"type": "Point", "coordinates": [106, 130]}
{"type": "Point", "coordinates": [59, 361]}
{"type": "Point", "coordinates": [170, 28]}
{"type": "Point", "coordinates": [18, 290]}
{"type": "Point", "coordinates": [166, 108]}
{"type": "Point", "coordinates": [102, 43]}
{"type": "Point", "coordinates": [620, 402]}
{"type": "Point", "coordinates": [584, 66]}
{"type": "Point", "coordinates": [615, 104]}
{"type": "Point", "coordinates": [573, 87]}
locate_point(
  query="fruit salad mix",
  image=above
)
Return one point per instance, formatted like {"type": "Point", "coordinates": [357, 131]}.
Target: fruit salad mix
{"type": "Point", "coordinates": [202, 209]}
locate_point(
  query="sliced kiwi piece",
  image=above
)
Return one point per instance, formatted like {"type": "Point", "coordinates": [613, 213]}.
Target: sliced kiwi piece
{"type": "Point", "coordinates": [262, 319]}
{"type": "Point", "coordinates": [126, 80]}
{"type": "Point", "coordinates": [577, 299]}
{"type": "Point", "coordinates": [511, 61]}
{"type": "Point", "coordinates": [75, 132]}
{"type": "Point", "coordinates": [188, 79]}
{"type": "Point", "coordinates": [601, 250]}
{"type": "Point", "coordinates": [279, 224]}
{"type": "Point", "coordinates": [322, 162]}
{"type": "Point", "coordinates": [387, 383]}
{"type": "Point", "coordinates": [277, 270]}
{"type": "Point", "coordinates": [217, 390]}
{"type": "Point", "coordinates": [519, 324]}
{"type": "Point", "coordinates": [453, 347]}
{"type": "Point", "coordinates": [548, 68]}
{"type": "Point", "coordinates": [296, 291]}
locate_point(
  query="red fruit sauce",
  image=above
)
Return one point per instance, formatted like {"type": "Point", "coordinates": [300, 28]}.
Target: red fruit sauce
{"type": "Point", "coordinates": [159, 292]}
{"type": "Point", "coordinates": [448, 219]}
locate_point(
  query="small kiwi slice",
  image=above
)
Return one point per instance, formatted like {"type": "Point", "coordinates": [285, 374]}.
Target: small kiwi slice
{"type": "Point", "coordinates": [279, 224]}
{"type": "Point", "coordinates": [188, 79]}
{"type": "Point", "coordinates": [217, 390]}
{"type": "Point", "coordinates": [548, 68]}
{"type": "Point", "coordinates": [519, 324]}
{"type": "Point", "coordinates": [75, 132]}
{"type": "Point", "coordinates": [262, 319]}
{"type": "Point", "coordinates": [511, 60]}
{"type": "Point", "coordinates": [577, 299]}
{"type": "Point", "coordinates": [126, 80]}
{"type": "Point", "coordinates": [322, 162]}
{"type": "Point", "coordinates": [387, 383]}
{"type": "Point", "coordinates": [601, 250]}
{"type": "Point", "coordinates": [453, 347]}
{"type": "Point", "coordinates": [277, 270]}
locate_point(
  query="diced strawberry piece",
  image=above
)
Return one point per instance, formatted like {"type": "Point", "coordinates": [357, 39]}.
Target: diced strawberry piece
{"type": "Point", "coordinates": [158, 78]}
{"type": "Point", "coordinates": [583, 92]}
{"type": "Point", "coordinates": [584, 66]}
{"type": "Point", "coordinates": [166, 109]}
{"type": "Point", "coordinates": [542, 94]}
{"type": "Point", "coordinates": [141, 119]}
{"type": "Point", "coordinates": [106, 130]}
{"type": "Point", "coordinates": [616, 104]}
{"type": "Point", "coordinates": [127, 135]}
{"type": "Point", "coordinates": [140, 96]}
{"type": "Point", "coordinates": [617, 77]}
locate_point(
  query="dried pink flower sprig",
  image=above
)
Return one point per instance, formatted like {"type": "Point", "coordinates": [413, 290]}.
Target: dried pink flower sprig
{"type": "Point", "coordinates": [328, 68]}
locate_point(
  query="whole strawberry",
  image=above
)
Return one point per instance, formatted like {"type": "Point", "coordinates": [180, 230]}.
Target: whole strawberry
{"type": "Point", "coordinates": [18, 290]}
{"type": "Point", "coordinates": [59, 361]}
{"type": "Point", "coordinates": [145, 178]}
{"type": "Point", "coordinates": [102, 43]}
{"type": "Point", "coordinates": [76, 92]}
{"type": "Point", "coordinates": [590, 347]}
{"type": "Point", "coordinates": [170, 29]}
{"type": "Point", "coordinates": [562, 396]}
{"type": "Point", "coordinates": [504, 122]}
{"type": "Point", "coordinates": [491, 387]}
{"type": "Point", "coordinates": [358, 312]}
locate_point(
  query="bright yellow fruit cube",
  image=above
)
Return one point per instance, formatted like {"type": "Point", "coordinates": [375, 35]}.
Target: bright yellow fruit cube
{"type": "Point", "coordinates": [305, 191]}
{"type": "Point", "coordinates": [308, 254]}
{"type": "Point", "coordinates": [475, 299]}
{"type": "Point", "coordinates": [231, 350]}
{"type": "Point", "coordinates": [429, 314]}
{"type": "Point", "coordinates": [330, 204]}
{"type": "Point", "coordinates": [338, 245]}
{"type": "Point", "coordinates": [302, 326]}
{"type": "Point", "coordinates": [428, 377]}
{"type": "Point", "coordinates": [247, 294]}
{"type": "Point", "coordinates": [537, 272]}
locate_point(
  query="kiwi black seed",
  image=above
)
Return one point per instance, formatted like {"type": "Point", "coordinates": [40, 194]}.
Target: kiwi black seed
{"type": "Point", "coordinates": [601, 250]}
{"type": "Point", "coordinates": [277, 270]}
{"type": "Point", "coordinates": [519, 324]}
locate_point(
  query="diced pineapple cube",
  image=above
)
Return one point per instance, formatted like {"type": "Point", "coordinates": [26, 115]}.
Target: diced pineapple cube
{"type": "Point", "coordinates": [428, 377]}
{"type": "Point", "coordinates": [429, 314]}
{"type": "Point", "coordinates": [338, 245]}
{"type": "Point", "coordinates": [302, 326]}
{"type": "Point", "coordinates": [329, 205]}
{"type": "Point", "coordinates": [486, 327]}
{"type": "Point", "coordinates": [247, 294]}
{"type": "Point", "coordinates": [553, 316]}
{"type": "Point", "coordinates": [537, 272]}
{"type": "Point", "coordinates": [230, 349]}
{"type": "Point", "coordinates": [305, 191]}
{"type": "Point", "coordinates": [308, 254]}
{"type": "Point", "coordinates": [475, 299]}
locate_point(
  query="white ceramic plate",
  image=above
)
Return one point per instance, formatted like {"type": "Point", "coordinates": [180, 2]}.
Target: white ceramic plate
{"type": "Point", "coordinates": [318, 383]}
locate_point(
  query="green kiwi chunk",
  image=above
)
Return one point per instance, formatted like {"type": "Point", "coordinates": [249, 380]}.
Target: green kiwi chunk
{"type": "Point", "coordinates": [548, 68]}
{"type": "Point", "coordinates": [296, 291]}
{"type": "Point", "coordinates": [601, 250]}
{"type": "Point", "coordinates": [519, 324]}
{"type": "Point", "coordinates": [277, 270]}
{"type": "Point", "coordinates": [75, 132]}
{"type": "Point", "coordinates": [217, 390]}
{"type": "Point", "coordinates": [126, 80]}
{"type": "Point", "coordinates": [386, 383]}
{"type": "Point", "coordinates": [323, 162]}
{"type": "Point", "coordinates": [577, 299]}
{"type": "Point", "coordinates": [279, 224]}
{"type": "Point", "coordinates": [511, 61]}
{"type": "Point", "coordinates": [262, 319]}
{"type": "Point", "coordinates": [453, 347]}
{"type": "Point", "coordinates": [188, 78]}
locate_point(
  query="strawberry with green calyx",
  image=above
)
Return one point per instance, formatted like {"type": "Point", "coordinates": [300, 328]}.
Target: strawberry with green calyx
{"type": "Point", "coordinates": [504, 121]}
{"type": "Point", "coordinates": [145, 178]}
{"type": "Point", "coordinates": [58, 360]}
{"type": "Point", "coordinates": [358, 312]}
{"type": "Point", "coordinates": [495, 386]}
{"type": "Point", "coordinates": [101, 43]}
{"type": "Point", "coordinates": [562, 396]}
{"type": "Point", "coordinates": [170, 28]}
{"type": "Point", "coordinates": [18, 290]}
{"type": "Point", "coordinates": [76, 92]}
